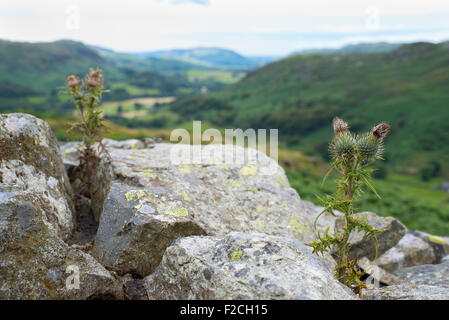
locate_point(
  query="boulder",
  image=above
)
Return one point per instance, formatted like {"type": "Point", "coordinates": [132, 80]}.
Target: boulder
{"type": "Point", "coordinates": [30, 140]}
{"type": "Point", "coordinates": [440, 245]}
{"type": "Point", "coordinates": [394, 230]}
{"type": "Point", "coordinates": [35, 262]}
{"type": "Point", "coordinates": [36, 216]}
{"type": "Point", "coordinates": [136, 227]}
{"type": "Point", "coordinates": [410, 251]}
{"type": "Point", "coordinates": [249, 193]}
{"type": "Point", "coordinates": [427, 274]}
{"type": "Point", "coordinates": [407, 292]}
{"type": "Point", "coordinates": [243, 266]}
{"type": "Point", "coordinates": [244, 194]}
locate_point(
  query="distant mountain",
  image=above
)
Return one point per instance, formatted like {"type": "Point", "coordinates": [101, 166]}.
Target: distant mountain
{"type": "Point", "coordinates": [299, 95]}
{"type": "Point", "coordinates": [209, 57]}
{"type": "Point", "coordinates": [355, 48]}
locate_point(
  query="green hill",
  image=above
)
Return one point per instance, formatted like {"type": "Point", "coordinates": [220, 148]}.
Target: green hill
{"type": "Point", "coordinates": [44, 66]}
{"type": "Point", "coordinates": [31, 73]}
{"type": "Point", "coordinates": [408, 87]}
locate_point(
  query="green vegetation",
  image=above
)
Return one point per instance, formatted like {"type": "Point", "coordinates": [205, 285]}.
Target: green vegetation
{"type": "Point", "coordinates": [351, 154]}
{"type": "Point", "coordinates": [302, 93]}
{"type": "Point", "coordinates": [86, 94]}
{"type": "Point", "coordinates": [419, 205]}
{"type": "Point", "coordinates": [128, 76]}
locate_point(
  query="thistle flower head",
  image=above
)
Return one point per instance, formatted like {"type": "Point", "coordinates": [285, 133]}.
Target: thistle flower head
{"type": "Point", "coordinates": [340, 126]}
{"type": "Point", "coordinates": [342, 145]}
{"type": "Point", "coordinates": [94, 78]}
{"type": "Point", "coordinates": [381, 130]}
{"type": "Point", "coordinates": [369, 146]}
{"type": "Point", "coordinates": [72, 81]}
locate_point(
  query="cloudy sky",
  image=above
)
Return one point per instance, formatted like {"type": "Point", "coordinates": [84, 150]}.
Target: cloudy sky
{"type": "Point", "coordinates": [253, 27]}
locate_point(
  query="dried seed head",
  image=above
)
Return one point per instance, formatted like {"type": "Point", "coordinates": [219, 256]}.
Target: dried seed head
{"type": "Point", "coordinates": [72, 81]}
{"type": "Point", "coordinates": [94, 78]}
{"type": "Point", "coordinates": [381, 130]}
{"type": "Point", "coordinates": [340, 126]}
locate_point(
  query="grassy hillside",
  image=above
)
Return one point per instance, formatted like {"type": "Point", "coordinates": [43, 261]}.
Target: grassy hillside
{"type": "Point", "coordinates": [408, 87]}
{"type": "Point", "coordinates": [31, 75]}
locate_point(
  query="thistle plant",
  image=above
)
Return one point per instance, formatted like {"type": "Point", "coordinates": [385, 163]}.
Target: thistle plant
{"type": "Point", "coordinates": [87, 94]}
{"type": "Point", "coordinates": [351, 156]}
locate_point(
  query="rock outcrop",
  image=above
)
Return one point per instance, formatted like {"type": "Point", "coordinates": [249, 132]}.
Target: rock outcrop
{"type": "Point", "coordinates": [36, 216]}
{"type": "Point", "coordinates": [198, 222]}
{"type": "Point", "coordinates": [133, 236]}
{"type": "Point", "coordinates": [243, 266]}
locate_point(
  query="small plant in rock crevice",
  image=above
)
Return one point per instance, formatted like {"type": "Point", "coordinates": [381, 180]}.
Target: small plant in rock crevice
{"type": "Point", "coordinates": [86, 93]}
{"type": "Point", "coordinates": [351, 155]}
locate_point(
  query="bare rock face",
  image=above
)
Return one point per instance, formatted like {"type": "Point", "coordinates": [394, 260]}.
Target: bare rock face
{"type": "Point", "coordinates": [135, 229]}
{"type": "Point", "coordinates": [407, 292]}
{"type": "Point", "coordinates": [36, 216]}
{"type": "Point", "coordinates": [243, 266]}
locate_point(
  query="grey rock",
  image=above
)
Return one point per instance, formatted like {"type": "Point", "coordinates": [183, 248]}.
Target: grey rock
{"type": "Point", "coordinates": [394, 230]}
{"type": "Point", "coordinates": [427, 274]}
{"type": "Point", "coordinates": [30, 140]}
{"type": "Point", "coordinates": [124, 144]}
{"type": "Point", "coordinates": [35, 263]}
{"type": "Point", "coordinates": [36, 215]}
{"type": "Point", "coordinates": [407, 292]}
{"type": "Point", "coordinates": [136, 226]}
{"type": "Point", "coordinates": [101, 183]}
{"type": "Point", "coordinates": [219, 195]}
{"type": "Point", "coordinates": [440, 245]}
{"type": "Point", "coordinates": [249, 194]}
{"type": "Point", "coordinates": [134, 288]}
{"type": "Point", "coordinates": [243, 266]}
{"type": "Point", "coordinates": [410, 251]}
